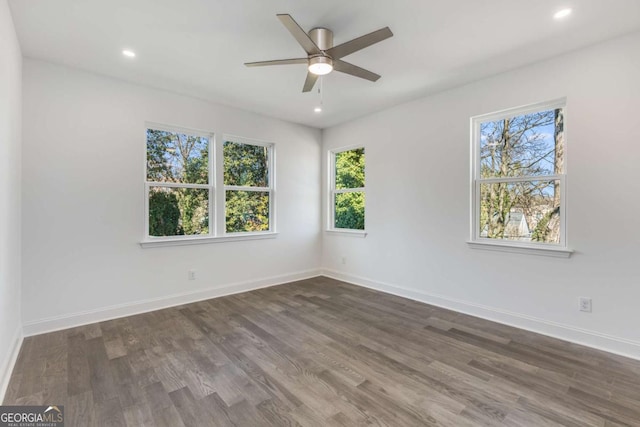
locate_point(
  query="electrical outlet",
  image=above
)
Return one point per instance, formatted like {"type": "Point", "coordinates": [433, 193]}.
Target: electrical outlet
{"type": "Point", "coordinates": [344, 260]}
{"type": "Point", "coordinates": [192, 275]}
{"type": "Point", "coordinates": [585, 304]}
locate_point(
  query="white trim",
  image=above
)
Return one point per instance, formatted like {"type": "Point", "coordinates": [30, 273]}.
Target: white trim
{"type": "Point", "coordinates": [245, 188]}
{"type": "Point", "coordinates": [8, 364]}
{"type": "Point", "coordinates": [528, 178]}
{"type": "Point", "coordinates": [541, 249]}
{"type": "Point", "coordinates": [177, 129]}
{"type": "Point", "coordinates": [523, 109]}
{"type": "Point", "coordinates": [227, 137]}
{"type": "Point", "coordinates": [50, 324]}
{"type": "Point", "coordinates": [200, 240]}
{"type": "Point", "coordinates": [348, 190]}
{"type": "Point", "coordinates": [177, 185]}
{"type": "Point", "coordinates": [597, 340]}
{"type": "Point", "coordinates": [347, 232]}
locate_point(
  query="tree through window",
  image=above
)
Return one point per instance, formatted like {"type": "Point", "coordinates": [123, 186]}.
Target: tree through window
{"type": "Point", "coordinates": [178, 191]}
{"type": "Point", "coordinates": [347, 189]}
{"type": "Point", "coordinates": [247, 181]}
{"type": "Point", "coordinates": [519, 175]}
{"type": "Point", "coordinates": [183, 201]}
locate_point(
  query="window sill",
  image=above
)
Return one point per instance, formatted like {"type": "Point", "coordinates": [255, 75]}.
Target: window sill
{"type": "Point", "coordinates": [517, 249]}
{"type": "Point", "coordinates": [160, 242]}
{"type": "Point", "coordinates": [345, 232]}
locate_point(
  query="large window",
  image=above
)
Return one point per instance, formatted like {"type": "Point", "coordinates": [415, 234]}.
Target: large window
{"type": "Point", "coordinates": [347, 191]}
{"type": "Point", "coordinates": [519, 177]}
{"type": "Point", "coordinates": [181, 199]}
{"type": "Point", "coordinates": [247, 185]}
{"type": "Point", "coordinates": [178, 185]}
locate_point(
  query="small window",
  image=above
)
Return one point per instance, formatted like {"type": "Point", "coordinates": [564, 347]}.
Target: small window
{"type": "Point", "coordinates": [347, 193]}
{"type": "Point", "coordinates": [248, 185]}
{"type": "Point", "coordinates": [519, 176]}
{"type": "Point", "coordinates": [178, 184]}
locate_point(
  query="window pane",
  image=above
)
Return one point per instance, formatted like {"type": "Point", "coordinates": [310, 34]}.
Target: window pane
{"type": "Point", "coordinates": [349, 210]}
{"type": "Point", "coordinates": [527, 145]}
{"type": "Point", "coordinates": [522, 211]}
{"type": "Point", "coordinates": [178, 211]}
{"type": "Point", "coordinates": [177, 157]}
{"type": "Point", "coordinates": [246, 165]}
{"type": "Point", "coordinates": [247, 211]}
{"type": "Point", "coordinates": [350, 169]}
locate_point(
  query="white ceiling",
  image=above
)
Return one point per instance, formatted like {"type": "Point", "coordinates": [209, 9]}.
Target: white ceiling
{"type": "Point", "coordinates": [198, 47]}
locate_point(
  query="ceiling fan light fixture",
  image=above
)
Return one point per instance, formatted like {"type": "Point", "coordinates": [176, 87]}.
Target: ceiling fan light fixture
{"type": "Point", "coordinates": [320, 65]}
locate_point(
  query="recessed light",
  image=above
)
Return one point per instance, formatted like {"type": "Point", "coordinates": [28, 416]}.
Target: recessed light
{"type": "Point", "coordinates": [318, 109]}
{"type": "Point", "coordinates": [129, 53]}
{"type": "Point", "coordinates": [562, 13]}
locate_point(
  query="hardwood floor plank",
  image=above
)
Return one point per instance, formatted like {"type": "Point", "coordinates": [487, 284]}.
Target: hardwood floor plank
{"type": "Point", "coordinates": [320, 352]}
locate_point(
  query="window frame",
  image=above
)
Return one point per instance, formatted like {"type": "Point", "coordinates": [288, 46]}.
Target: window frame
{"type": "Point", "coordinates": [333, 191]}
{"type": "Point", "coordinates": [216, 189]}
{"type": "Point", "coordinates": [270, 189]}
{"type": "Point", "coordinates": [476, 241]}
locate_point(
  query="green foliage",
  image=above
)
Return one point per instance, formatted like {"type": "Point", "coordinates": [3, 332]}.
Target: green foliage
{"type": "Point", "coordinates": [194, 209]}
{"type": "Point", "coordinates": [164, 214]}
{"type": "Point", "coordinates": [247, 211]}
{"type": "Point", "coordinates": [246, 165]}
{"type": "Point", "coordinates": [349, 210]}
{"type": "Point", "coordinates": [349, 206]}
{"type": "Point", "coordinates": [350, 169]}
{"type": "Point", "coordinates": [177, 158]}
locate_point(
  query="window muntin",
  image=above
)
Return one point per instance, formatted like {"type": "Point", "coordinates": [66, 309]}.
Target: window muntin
{"type": "Point", "coordinates": [347, 205]}
{"type": "Point", "coordinates": [248, 185]}
{"type": "Point", "coordinates": [519, 176]}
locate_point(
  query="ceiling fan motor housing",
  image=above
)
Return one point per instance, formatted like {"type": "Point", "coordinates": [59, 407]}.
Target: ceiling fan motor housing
{"type": "Point", "coordinates": [322, 37]}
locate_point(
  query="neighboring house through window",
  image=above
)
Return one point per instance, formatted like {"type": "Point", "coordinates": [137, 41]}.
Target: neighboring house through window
{"type": "Point", "coordinates": [519, 192]}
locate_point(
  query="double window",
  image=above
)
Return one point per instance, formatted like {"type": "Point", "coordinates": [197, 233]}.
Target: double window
{"type": "Point", "coordinates": [347, 189]}
{"type": "Point", "coordinates": [181, 197]}
{"type": "Point", "coordinates": [519, 177]}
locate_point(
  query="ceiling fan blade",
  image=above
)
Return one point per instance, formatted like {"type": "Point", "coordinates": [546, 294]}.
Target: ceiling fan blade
{"type": "Point", "coordinates": [354, 70]}
{"type": "Point", "coordinates": [310, 82]}
{"type": "Point", "coordinates": [278, 62]}
{"type": "Point", "coordinates": [355, 45]}
{"type": "Point", "coordinates": [299, 34]}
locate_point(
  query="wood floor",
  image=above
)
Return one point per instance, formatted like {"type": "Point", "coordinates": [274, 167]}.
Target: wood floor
{"type": "Point", "coordinates": [319, 353]}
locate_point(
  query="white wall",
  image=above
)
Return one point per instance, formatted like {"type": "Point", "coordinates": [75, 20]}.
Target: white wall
{"type": "Point", "coordinates": [418, 197]}
{"type": "Point", "coordinates": [10, 146]}
{"type": "Point", "coordinates": [83, 201]}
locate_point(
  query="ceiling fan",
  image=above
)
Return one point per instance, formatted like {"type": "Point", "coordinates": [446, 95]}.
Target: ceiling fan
{"type": "Point", "coordinates": [322, 56]}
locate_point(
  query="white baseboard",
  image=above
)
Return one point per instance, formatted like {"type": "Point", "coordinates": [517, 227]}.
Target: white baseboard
{"type": "Point", "coordinates": [71, 320]}
{"type": "Point", "coordinates": [10, 360]}
{"type": "Point", "coordinates": [597, 340]}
